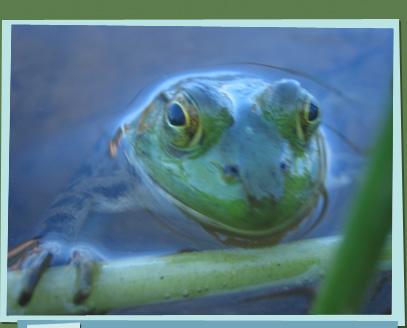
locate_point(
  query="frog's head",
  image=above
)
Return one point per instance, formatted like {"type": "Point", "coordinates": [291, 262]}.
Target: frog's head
{"type": "Point", "coordinates": [235, 153]}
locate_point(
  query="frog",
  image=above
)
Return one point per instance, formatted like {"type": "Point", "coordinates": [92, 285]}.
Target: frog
{"type": "Point", "coordinates": [236, 153]}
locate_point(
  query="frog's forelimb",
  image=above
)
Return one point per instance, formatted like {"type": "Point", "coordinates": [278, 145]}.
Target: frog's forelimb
{"type": "Point", "coordinates": [62, 223]}
{"type": "Point", "coordinates": [108, 194]}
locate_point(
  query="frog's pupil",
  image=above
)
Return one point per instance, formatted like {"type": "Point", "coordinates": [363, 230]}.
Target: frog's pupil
{"type": "Point", "coordinates": [313, 112]}
{"type": "Point", "coordinates": [176, 115]}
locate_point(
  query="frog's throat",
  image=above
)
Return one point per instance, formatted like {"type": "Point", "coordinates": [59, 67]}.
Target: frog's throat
{"type": "Point", "coordinates": [206, 220]}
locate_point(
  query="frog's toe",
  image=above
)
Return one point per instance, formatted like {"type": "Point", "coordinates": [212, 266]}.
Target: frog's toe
{"type": "Point", "coordinates": [32, 267]}
{"type": "Point", "coordinates": [85, 265]}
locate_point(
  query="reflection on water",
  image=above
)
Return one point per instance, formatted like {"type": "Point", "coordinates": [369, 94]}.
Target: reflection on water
{"type": "Point", "coordinates": [70, 86]}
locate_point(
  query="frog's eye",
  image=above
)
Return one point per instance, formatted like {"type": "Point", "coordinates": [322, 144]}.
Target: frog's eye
{"type": "Point", "coordinates": [309, 117]}
{"type": "Point", "coordinates": [182, 125]}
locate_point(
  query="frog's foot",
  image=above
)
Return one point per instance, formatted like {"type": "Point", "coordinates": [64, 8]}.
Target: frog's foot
{"type": "Point", "coordinates": [85, 265]}
{"type": "Point", "coordinates": [32, 260]}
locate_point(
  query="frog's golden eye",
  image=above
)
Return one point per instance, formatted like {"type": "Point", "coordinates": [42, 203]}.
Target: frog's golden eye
{"type": "Point", "coordinates": [182, 125]}
{"type": "Point", "coordinates": [309, 117]}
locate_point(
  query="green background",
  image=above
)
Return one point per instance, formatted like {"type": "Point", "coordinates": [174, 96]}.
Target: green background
{"type": "Point", "coordinates": [216, 9]}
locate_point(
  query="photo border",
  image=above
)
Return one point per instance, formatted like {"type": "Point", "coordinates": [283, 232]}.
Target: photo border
{"type": "Point", "coordinates": [398, 256]}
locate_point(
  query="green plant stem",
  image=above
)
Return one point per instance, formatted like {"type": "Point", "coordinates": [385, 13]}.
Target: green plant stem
{"type": "Point", "coordinates": [367, 229]}
{"type": "Point", "coordinates": [133, 282]}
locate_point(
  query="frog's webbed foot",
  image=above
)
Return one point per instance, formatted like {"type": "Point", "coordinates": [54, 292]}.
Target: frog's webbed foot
{"type": "Point", "coordinates": [33, 258]}
{"type": "Point", "coordinates": [32, 261]}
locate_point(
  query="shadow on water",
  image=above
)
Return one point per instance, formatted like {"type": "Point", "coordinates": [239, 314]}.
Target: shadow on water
{"type": "Point", "coordinates": [70, 85]}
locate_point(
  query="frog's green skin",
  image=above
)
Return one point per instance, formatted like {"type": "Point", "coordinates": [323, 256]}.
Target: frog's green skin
{"type": "Point", "coordinates": [235, 153]}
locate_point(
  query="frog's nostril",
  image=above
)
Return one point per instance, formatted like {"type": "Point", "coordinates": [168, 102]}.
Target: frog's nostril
{"type": "Point", "coordinates": [231, 170]}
